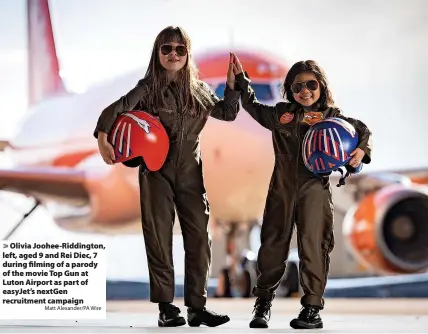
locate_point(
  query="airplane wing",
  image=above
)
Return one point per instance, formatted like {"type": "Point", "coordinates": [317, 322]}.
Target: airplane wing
{"type": "Point", "coordinates": [415, 175]}
{"type": "Point", "coordinates": [63, 183]}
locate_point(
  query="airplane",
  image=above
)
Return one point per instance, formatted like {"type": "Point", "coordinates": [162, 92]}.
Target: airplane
{"type": "Point", "coordinates": [55, 160]}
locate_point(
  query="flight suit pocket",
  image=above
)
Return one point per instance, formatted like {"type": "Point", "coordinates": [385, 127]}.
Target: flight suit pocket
{"type": "Point", "coordinates": [283, 157]}
{"type": "Point", "coordinates": [169, 119]}
{"type": "Point", "coordinates": [167, 115]}
{"type": "Point", "coordinates": [192, 137]}
{"type": "Point", "coordinates": [285, 130]}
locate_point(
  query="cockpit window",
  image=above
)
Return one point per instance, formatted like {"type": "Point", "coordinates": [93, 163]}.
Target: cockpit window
{"type": "Point", "coordinates": [263, 91]}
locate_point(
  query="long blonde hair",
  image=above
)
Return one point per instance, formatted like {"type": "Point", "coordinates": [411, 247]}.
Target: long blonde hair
{"type": "Point", "coordinates": [194, 98]}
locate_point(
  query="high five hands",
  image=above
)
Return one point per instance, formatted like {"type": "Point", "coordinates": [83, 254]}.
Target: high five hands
{"type": "Point", "coordinates": [235, 68]}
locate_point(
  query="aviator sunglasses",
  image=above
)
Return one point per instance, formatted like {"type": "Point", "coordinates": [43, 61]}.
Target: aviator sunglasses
{"type": "Point", "coordinates": [167, 48]}
{"type": "Point", "coordinates": [298, 86]}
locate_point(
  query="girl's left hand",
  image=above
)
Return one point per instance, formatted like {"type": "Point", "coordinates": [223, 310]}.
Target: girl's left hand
{"type": "Point", "coordinates": [233, 70]}
{"type": "Point", "coordinates": [357, 156]}
{"type": "Point", "coordinates": [237, 66]}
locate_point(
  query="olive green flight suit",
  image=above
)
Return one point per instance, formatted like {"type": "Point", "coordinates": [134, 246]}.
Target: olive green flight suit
{"type": "Point", "coordinates": [295, 197]}
{"type": "Point", "coordinates": [178, 184]}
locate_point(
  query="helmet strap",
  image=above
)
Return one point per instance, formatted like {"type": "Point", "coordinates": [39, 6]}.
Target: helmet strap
{"type": "Point", "coordinates": [342, 178]}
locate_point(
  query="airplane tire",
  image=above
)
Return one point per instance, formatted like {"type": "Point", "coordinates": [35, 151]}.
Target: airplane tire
{"type": "Point", "coordinates": [291, 279]}
{"type": "Point", "coordinates": [227, 283]}
{"type": "Point", "coordinates": [227, 292]}
{"type": "Point", "coordinates": [246, 284]}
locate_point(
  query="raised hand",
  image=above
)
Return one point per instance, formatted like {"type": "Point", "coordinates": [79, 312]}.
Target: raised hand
{"type": "Point", "coordinates": [235, 68]}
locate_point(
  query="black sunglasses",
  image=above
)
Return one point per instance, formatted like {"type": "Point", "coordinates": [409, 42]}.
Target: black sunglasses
{"type": "Point", "coordinates": [298, 86]}
{"type": "Point", "coordinates": [167, 48]}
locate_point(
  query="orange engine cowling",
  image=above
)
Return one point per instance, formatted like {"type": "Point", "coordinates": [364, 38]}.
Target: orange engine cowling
{"type": "Point", "coordinates": [388, 230]}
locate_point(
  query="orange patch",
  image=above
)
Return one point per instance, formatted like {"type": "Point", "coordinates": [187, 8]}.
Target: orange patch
{"type": "Point", "coordinates": [286, 117]}
{"type": "Point", "coordinates": [312, 117]}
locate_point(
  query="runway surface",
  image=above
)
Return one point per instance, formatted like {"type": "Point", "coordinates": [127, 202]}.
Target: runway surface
{"type": "Point", "coordinates": [339, 316]}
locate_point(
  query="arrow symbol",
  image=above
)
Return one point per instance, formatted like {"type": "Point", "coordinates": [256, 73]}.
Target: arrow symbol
{"type": "Point", "coordinates": [5, 245]}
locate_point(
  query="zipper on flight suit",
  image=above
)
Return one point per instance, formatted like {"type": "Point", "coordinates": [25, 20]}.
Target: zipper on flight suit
{"type": "Point", "coordinates": [182, 124]}
{"type": "Point", "coordinates": [180, 146]}
{"type": "Point", "coordinates": [296, 175]}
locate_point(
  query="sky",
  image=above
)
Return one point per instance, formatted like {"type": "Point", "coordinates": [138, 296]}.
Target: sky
{"type": "Point", "coordinates": [374, 53]}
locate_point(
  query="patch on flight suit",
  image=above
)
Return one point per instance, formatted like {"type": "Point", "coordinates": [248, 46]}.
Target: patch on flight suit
{"type": "Point", "coordinates": [312, 117]}
{"type": "Point", "coordinates": [286, 117]}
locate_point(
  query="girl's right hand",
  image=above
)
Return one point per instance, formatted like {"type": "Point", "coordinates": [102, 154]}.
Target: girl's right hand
{"type": "Point", "coordinates": [237, 66]}
{"type": "Point", "coordinates": [234, 69]}
{"type": "Point", "coordinates": [105, 148]}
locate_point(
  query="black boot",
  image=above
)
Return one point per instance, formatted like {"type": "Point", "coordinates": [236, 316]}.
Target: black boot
{"type": "Point", "coordinates": [169, 316]}
{"type": "Point", "coordinates": [261, 313]}
{"type": "Point", "coordinates": [197, 317]}
{"type": "Point", "coordinates": [308, 318]}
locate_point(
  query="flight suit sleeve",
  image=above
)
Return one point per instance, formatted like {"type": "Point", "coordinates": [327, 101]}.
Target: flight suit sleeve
{"type": "Point", "coordinates": [364, 135]}
{"type": "Point", "coordinates": [225, 109]}
{"type": "Point", "coordinates": [263, 114]}
{"type": "Point", "coordinates": [125, 103]}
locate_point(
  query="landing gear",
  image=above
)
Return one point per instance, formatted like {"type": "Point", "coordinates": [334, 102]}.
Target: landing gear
{"type": "Point", "coordinates": [238, 276]}
{"type": "Point", "coordinates": [21, 221]}
{"type": "Point", "coordinates": [289, 286]}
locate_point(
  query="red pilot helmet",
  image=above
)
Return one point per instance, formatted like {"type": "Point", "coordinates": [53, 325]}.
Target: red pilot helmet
{"type": "Point", "coordinates": [139, 138]}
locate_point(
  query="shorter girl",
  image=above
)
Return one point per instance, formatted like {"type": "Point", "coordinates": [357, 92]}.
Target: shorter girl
{"type": "Point", "coordinates": [296, 195]}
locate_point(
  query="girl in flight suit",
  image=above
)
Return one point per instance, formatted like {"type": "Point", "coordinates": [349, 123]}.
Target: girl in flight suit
{"type": "Point", "coordinates": [296, 196]}
{"type": "Point", "coordinates": [171, 90]}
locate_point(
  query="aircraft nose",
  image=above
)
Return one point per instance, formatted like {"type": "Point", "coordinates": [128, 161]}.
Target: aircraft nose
{"type": "Point", "coordinates": [245, 122]}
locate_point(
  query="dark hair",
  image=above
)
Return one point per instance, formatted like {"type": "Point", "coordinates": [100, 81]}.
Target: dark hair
{"type": "Point", "coordinates": [326, 98]}
{"type": "Point", "coordinates": [192, 96]}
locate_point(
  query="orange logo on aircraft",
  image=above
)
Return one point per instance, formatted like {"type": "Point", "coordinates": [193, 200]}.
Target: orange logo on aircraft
{"type": "Point", "coordinates": [312, 117]}
{"type": "Point", "coordinates": [286, 117]}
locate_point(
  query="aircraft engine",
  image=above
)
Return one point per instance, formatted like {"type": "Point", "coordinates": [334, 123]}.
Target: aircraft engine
{"type": "Point", "coordinates": [388, 229]}
{"type": "Point", "coordinates": [113, 193]}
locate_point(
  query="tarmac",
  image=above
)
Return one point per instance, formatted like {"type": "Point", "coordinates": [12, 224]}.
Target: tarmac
{"type": "Point", "coordinates": [339, 316]}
